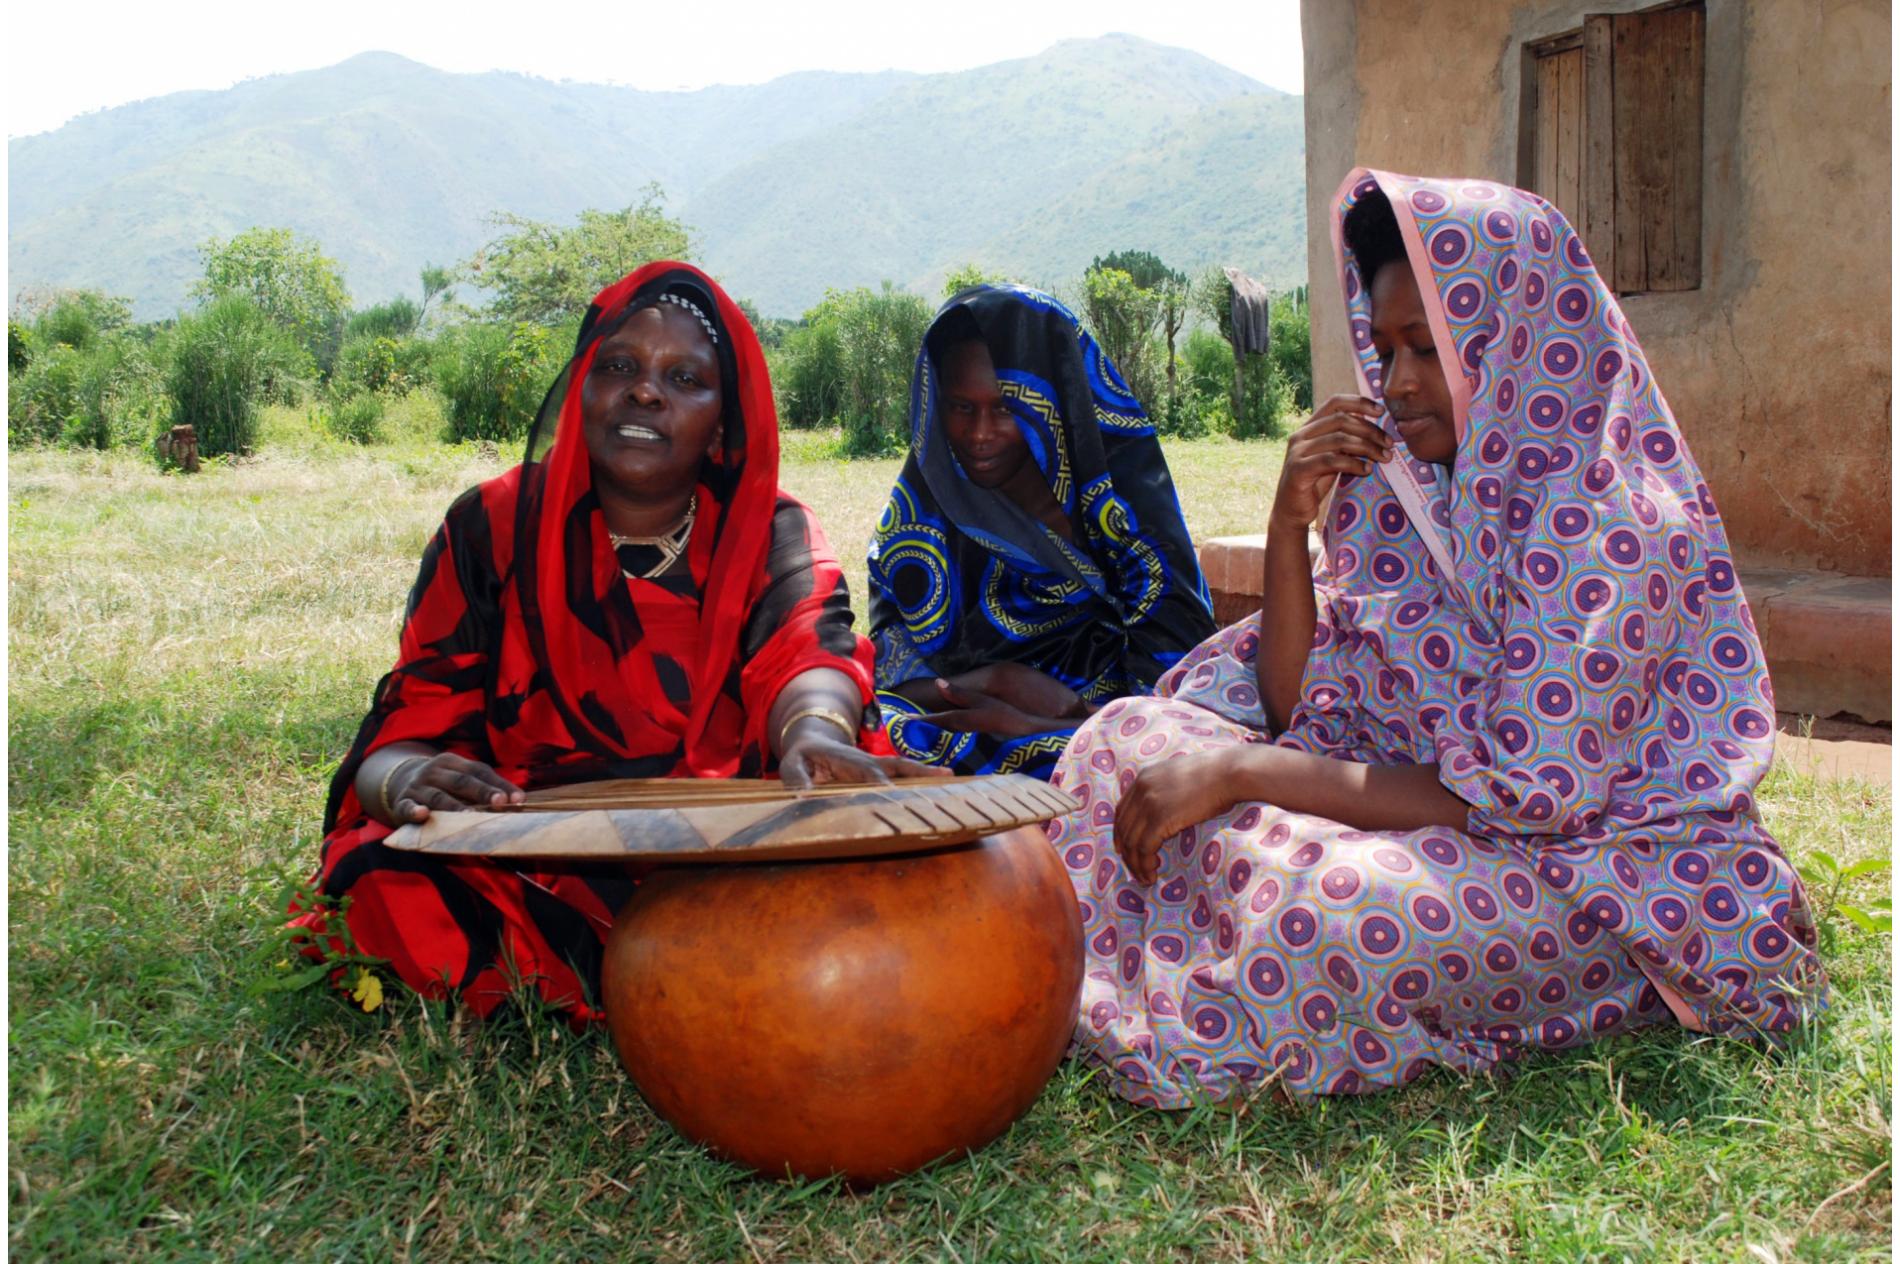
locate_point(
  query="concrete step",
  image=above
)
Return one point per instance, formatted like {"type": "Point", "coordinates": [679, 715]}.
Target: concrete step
{"type": "Point", "coordinates": [1829, 638]}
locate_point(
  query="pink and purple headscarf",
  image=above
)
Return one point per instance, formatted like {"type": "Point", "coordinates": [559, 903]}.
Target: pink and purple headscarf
{"type": "Point", "coordinates": [1584, 659]}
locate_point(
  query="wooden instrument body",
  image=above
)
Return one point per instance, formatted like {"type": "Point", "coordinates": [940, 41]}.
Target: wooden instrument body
{"type": "Point", "coordinates": [861, 1017]}
{"type": "Point", "coordinates": [892, 978]}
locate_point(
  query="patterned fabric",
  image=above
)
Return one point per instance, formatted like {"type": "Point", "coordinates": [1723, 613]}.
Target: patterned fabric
{"type": "Point", "coordinates": [552, 666]}
{"type": "Point", "coordinates": [1555, 622]}
{"type": "Point", "coordinates": [961, 576]}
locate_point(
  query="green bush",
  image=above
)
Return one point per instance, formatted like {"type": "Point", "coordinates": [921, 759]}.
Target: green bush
{"type": "Point", "coordinates": [373, 362]}
{"type": "Point", "coordinates": [1292, 349]}
{"type": "Point", "coordinates": [227, 360]}
{"type": "Point", "coordinates": [80, 318]}
{"type": "Point", "coordinates": [398, 318]}
{"type": "Point", "coordinates": [120, 398]}
{"type": "Point", "coordinates": [44, 396]}
{"type": "Point", "coordinates": [850, 363]}
{"type": "Point", "coordinates": [356, 419]}
{"type": "Point", "coordinates": [493, 377]}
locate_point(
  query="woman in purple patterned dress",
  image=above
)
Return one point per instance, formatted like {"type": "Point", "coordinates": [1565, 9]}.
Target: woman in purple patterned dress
{"type": "Point", "coordinates": [1484, 782]}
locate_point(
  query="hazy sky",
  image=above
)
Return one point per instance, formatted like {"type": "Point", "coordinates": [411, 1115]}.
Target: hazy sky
{"type": "Point", "coordinates": [61, 62]}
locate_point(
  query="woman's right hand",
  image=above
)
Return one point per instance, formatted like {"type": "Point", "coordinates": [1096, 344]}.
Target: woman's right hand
{"type": "Point", "coordinates": [1343, 437]}
{"type": "Point", "coordinates": [974, 712]}
{"type": "Point", "coordinates": [1022, 687]}
{"type": "Point", "coordinates": [420, 782]}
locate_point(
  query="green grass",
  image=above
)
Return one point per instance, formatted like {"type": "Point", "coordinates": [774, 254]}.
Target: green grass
{"type": "Point", "coordinates": [190, 657]}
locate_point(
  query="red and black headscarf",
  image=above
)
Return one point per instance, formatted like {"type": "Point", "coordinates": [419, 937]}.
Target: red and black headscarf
{"type": "Point", "coordinates": [547, 662]}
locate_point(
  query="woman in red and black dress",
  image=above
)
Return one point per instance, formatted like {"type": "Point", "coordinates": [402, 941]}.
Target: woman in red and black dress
{"type": "Point", "coordinates": [636, 599]}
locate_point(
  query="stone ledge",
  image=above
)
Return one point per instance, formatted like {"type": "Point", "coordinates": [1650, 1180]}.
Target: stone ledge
{"type": "Point", "coordinates": [1829, 638]}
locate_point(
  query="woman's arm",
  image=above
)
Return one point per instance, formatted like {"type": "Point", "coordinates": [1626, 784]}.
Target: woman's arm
{"type": "Point", "coordinates": [813, 727]}
{"type": "Point", "coordinates": [402, 782]}
{"type": "Point", "coordinates": [1166, 798]}
{"type": "Point", "coordinates": [1342, 438]}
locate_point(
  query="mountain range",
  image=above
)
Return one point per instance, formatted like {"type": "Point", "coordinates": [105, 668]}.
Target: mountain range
{"type": "Point", "coordinates": [1030, 167]}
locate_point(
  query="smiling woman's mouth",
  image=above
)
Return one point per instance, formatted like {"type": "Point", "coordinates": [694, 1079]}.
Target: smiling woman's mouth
{"type": "Point", "coordinates": [638, 433]}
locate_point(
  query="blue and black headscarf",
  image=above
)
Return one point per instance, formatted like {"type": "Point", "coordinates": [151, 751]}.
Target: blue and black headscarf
{"type": "Point", "coordinates": [962, 576]}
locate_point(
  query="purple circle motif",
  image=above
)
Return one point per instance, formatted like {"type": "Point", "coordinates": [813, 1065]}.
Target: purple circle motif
{"type": "Point", "coordinates": [1589, 746]}
{"type": "Point", "coordinates": [1555, 699]}
{"type": "Point", "coordinates": [1621, 432]}
{"type": "Point", "coordinates": [1456, 965]}
{"type": "Point", "coordinates": [1574, 251]}
{"type": "Point", "coordinates": [1720, 906]}
{"type": "Point", "coordinates": [1657, 592]}
{"type": "Point", "coordinates": [1339, 882]}
{"type": "Point", "coordinates": [1545, 569]}
{"type": "Point", "coordinates": [1561, 357]}
{"type": "Point", "coordinates": [1318, 1012]}
{"type": "Point", "coordinates": [1545, 410]}
{"type": "Point", "coordinates": [1691, 867]}
{"type": "Point", "coordinates": [1606, 1018]}
{"type": "Point", "coordinates": [1731, 653]}
{"type": "Point", "coordinates": [1558, 778]}
{"type": "Point", "coordinates": [1413, 613]}
{"type": "Point", "coordinates": [1591, 594]}
{"type": "Point", "coordinates": [1435, 649]}
{"type": "Point", "coordinates": [1608, 365]}
{"type": "Point", "coordinates": [1379, 936]}
{"type": "Point", "coordinates": [1596, 976]}
{"type": "Point", "coordinates": [1721, 576]}
{"type": "Point", "coordinates": [1600, 667]}
{"type": "Point", "coordinates": [1298, 928]}
{"type": "Point", "coordinates": [1659, 446]}
{"type": "Point", "coordinates": [1439, 851]}
{"type": "Point", "coordinates": [1514, 734]}
{"type": "Point", "coordinates": [1479, 904]}
{"type": "Point", "coordinates": [1391, 518]}
{"type": "Point", "coordinates": [1506, 397]}
{"type": "Point", "coordinates": [1346, 515]}
{"type": "Point", "coordinates": [1427, 203]}
{"type": "Point", "coordinates": [1388, 567]}
{"type": "Point", "coordinates": [1494, 449]}
{"type": "Point", "coordinates": [1239, 875]}
{"type": "Point", "coordinates": [1522, 653]}
{"type": "Point", "coordinates": [1678, 725]}
{"type": "Point", "coordinates": [1500, 958]}
{"type": "Point", "coordinates": [1623, 548]}
{"type": "Point", "coordinates": [1518, 513]}
{"type": "Point", "coordinates": [1500, 227]}
{"type": "Point", "coordinates": [1520, 891]}
{"type": "Point", "coordinates": [1431, 914]}
{"type": "Point", "coordinates": [1361, 332]}
{"type": "Point", "coordinates": [1535, 288]}
{"type": "Point", "coordinates": [1599, 476]}
{"type": "Point", "coordinates": [1449, 246]}
{"type": "Point", "coordinates": [1701, 690]}
{"type": "Point", "coordinates": [1339, 970]}
{"type": "Point", "coordinates": [1520, 343]}
{"type": "Point", "coordinates": [1753, 869]}
{"type": "Point", "coordinates": [1540, 235]}
{"type": "Point", "coordinates": [1572, 521]}
{"type": "Point", "coordinates": [1209, 1023]}
{"type": "Point", "coordinates": [1266, 976]}
{"type": "Point", "coordinates": [1572, 305]}
{"type": "Point", "coordinates": [1463, 300]}
{"type": "Point", "coordinates": [1749, 724]}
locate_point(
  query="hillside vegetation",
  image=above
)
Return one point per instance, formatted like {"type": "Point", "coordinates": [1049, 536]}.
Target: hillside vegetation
{"type": "Point", "coordinates": [813, 180]}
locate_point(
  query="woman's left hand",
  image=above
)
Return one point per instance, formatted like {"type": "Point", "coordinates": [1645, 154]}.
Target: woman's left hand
{"type": "Point", "coordinates": [1168, 797]}
{"type": "Point", "coordinates": [815, 760]}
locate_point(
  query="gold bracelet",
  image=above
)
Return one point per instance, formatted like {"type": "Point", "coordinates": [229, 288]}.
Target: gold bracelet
{"type": "Point", "coordinates": [823, 713]}
{"type": "Point", "coordinates": [389, 809]}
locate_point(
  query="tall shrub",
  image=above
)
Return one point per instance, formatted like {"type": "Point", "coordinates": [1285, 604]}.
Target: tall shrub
{"type": "Point", "coordinates": [850, 362]}
{"type": "Point", "coordinates": [44, 396]}
{"type": "Point", "coordinates": [493, 377]}
{"type": "Point", "coordinates": [226, 360]}
{"type": "Point", "coordinates": [120, 398]}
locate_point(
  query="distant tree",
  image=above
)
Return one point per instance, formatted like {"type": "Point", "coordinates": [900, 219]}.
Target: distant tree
{"type": "Point", "coordinates": [544, 273]}
{"type": "Point", "coordinates": [968, 275]}
{"type": "Point", "coordinates": [19, 346]}
{"type": "Point", "coordinates": [1143, 266]}
{"type": "Point", "coordinates": [437, 282]}
{"type": "Point", "coordinates": [74, 317]}
{"type": "Point", "coordinates": [287, 277]}
{"type": "Point", "coordinates": [224, 363]}
{"type": "Point", "coordinates": [398, 318]}
{"type": "Point", "coordinates": [1122, 316]}
{"type": "Point", "coordinates": [849, 362]}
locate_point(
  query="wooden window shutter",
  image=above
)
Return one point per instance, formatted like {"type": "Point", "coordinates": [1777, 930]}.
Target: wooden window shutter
{"type": "Point", "coordinates": [1642, 181]}
{"type": "Point", "coordinates": [1560, 127]}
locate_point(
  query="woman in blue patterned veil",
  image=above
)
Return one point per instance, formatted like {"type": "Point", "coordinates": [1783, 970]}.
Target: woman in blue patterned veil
{"type": "Point", "coordinates": [1032, 564]}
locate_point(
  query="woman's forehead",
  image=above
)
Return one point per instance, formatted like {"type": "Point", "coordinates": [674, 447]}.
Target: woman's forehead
{"type": "Point", "coordinates": [661, 320]}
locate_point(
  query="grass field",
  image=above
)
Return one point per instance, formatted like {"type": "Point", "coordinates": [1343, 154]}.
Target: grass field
{"type": "Point", "coordinates": [189, 658]}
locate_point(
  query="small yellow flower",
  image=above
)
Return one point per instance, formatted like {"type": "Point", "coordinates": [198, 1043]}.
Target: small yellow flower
{"type": "Point", "coordinates": [368, 991]}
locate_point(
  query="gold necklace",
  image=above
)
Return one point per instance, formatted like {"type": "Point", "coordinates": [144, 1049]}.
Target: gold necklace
{"type": "Point", "coordinates": [670, 544]}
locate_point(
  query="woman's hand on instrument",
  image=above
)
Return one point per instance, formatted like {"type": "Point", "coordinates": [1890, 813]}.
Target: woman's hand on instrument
{"type": "Point", "coordinates": [1168, 797]}
{"type": "Point", "coordinates": [815, 759]}
{"type": "Point", "coordinates": [974, 712]}
{"type": "Point", "coordinates": [1023, 687]}
{"type": "Point", "coordinates": [445, 782]}
{"type": "Point", "coordinates": [1343, 437]}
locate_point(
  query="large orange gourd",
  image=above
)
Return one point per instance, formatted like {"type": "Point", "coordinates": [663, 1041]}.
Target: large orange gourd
{"type": "Point", "coordinates": [859, 1017]}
